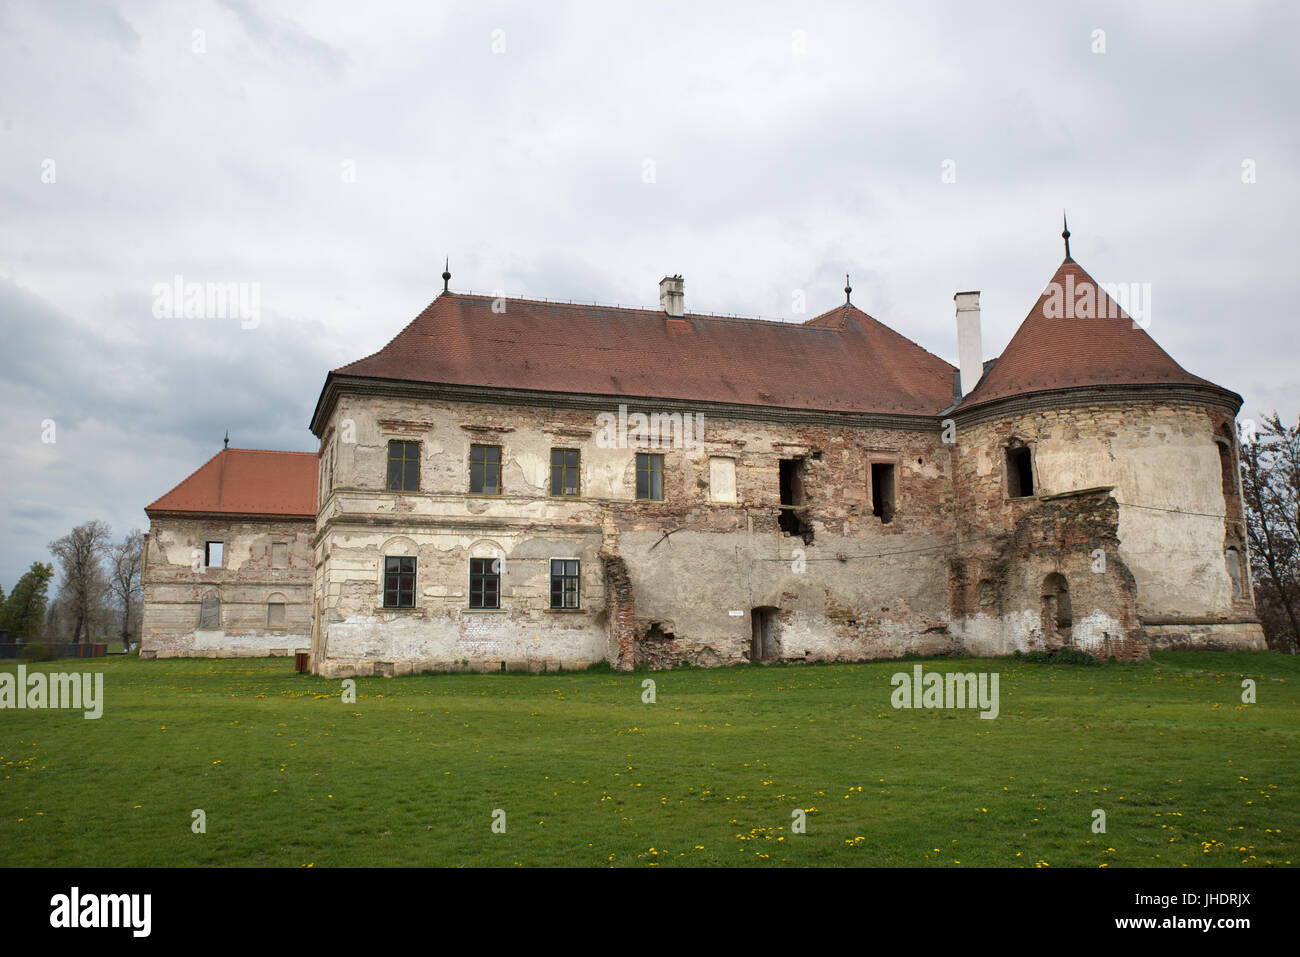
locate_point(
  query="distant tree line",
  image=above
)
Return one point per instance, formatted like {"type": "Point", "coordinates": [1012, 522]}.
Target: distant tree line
{"type": "Point", "coordinates": [100, 595]}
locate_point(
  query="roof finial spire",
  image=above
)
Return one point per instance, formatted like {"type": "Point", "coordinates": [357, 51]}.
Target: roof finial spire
{"type": "Point", "coordinates": [848, 291]}
{"type": "Point", "coordinates": [1065, 234]}
{"type": "Point", "coordinates": [227, 438]}
{"type": "Point", "coordinates": [446, 273]}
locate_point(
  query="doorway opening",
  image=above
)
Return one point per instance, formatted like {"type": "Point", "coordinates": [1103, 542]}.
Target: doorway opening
{"type": "Point", "coordinates": [764, 644]}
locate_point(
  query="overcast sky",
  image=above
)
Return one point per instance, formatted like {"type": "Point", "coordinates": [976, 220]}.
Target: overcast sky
{"type": "Point", "coordinates": [330, 155]}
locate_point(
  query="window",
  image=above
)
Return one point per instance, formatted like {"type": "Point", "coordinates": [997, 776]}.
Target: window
{"type": "Point", "coordinates": [649, 477]}
{"type": "Point", "coordinates": [564, 583]}
{"type": "Point", "coordinates": [790, 488]}
{"type": "Point", "coordinates": [1020, 472]}
{"type": "Point", "coordinates": [279, 554]}
{"type": "Point", "coordinates": [564, 472]}
{"type": "Point", "coordinates": [485, 469]}
{"type": "Point", "coordinates": [484, 583]}
{"type": "Point", "coordinates": [213, 553]}
{"type": "Point", "coordinates": [722, 479]}
{"type": "Point", "coordinates": [403, 466]}
{"type": "Point", "coordinates": [882, 492]}
{"type": "Point", "coordinates": [275, 614]}
{"type": "Point", "coordinates": [399, 582]}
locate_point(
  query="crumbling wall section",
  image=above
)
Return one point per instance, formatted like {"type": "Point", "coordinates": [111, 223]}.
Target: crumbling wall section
{"type": "Point", "coordinates": [1176, 496]}
{"type": "Point", "coordinates": [263, 562]}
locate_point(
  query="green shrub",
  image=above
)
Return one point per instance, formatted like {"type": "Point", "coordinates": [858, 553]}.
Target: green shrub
{"type": "Point", "coordinates": [40, 651]}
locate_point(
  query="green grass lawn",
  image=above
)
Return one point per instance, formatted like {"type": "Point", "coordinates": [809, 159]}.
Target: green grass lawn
{"type": "Point", "coordinates": [411, 773]}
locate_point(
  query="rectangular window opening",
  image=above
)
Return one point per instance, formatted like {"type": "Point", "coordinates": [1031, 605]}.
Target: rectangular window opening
{"type": "Point", "coordinates": [790, 477]}
{"type": "Point", "coordinates": [484, 583]}
{"type": "Point", "coordinates": [214, 554]}
{"type": "Point", "coordinates": [564, 473]}
{"type": "Point", "coordinates": [399, 582]}
{"type": "Point", "coordinates": [403, 466]}
{"type": "Point", "coordinates": [275, 614]}
{"type": "Point", "coordinates": [485, 469]}
{"type": "Point", "coordinates": [882, 491]}
{"type": "Point", "coordinates": [649, 477]}
{"type": "Point", "coordinates": [564, 582]}
{"type": "Point", "coordinates": [1020, 472]}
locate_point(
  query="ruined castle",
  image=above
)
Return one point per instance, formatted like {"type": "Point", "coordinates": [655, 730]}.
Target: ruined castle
{"type": "Point", "coordinates": [520, 484]}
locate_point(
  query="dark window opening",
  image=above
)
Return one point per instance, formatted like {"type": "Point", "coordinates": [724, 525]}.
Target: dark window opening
{"type": "Point", "coordinates": [564, 583]}
{"type": "Point", "coordinates": [791, 482]}
{"type": "Point", "coordinates": [403, 466]}
{"type": "Point", "coordinates": [399, 582]}
{"type": "Point", "coordinates": [792, 497]}
{"type": "Point", "coordinates": [882, 492]}
{"type": "Point", "coordinates": [1226, 469]}
{"type": "Point", "coordinates": [649, 477]}
{"type": "Point", "coordinates": [564, 472]}
{"type": "Point", "coordinates": [1020, 472]}
{"type": "Point", "coordinates": [485, 469]}
{"type": "Point", "coordinates": [484, 583]}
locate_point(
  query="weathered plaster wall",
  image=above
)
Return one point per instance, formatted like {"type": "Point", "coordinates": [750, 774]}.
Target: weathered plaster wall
{"type": "Point", "coordinates": [960, 567]}
{"type": "Point", "coordinates": [849, 587]}
{"type": "Point", "coordinates": [174, 590]}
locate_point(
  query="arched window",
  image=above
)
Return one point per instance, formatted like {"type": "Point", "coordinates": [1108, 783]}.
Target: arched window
{"type": "Point", "coordinates": [1227, 462]}
{"type": "Point", "coordinates": [1057, 616]}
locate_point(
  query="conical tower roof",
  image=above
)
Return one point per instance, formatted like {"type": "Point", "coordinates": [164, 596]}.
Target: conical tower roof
{"type": "Point", "coordinates": [1077, 336]}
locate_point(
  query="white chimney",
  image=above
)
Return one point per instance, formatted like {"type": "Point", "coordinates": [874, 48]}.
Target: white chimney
{"type": "Point", "coordinates": [970, 353]}
{"type": "Point", "coordinates": [672, 296]}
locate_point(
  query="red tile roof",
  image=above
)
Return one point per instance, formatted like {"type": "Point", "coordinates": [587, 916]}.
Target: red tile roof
{"type": "Point", "coordinates": [247, 482]}
{"type": "Point", "coordinates": [1051, 352]}
{"type": "Point", "coordinates": [843, 360]}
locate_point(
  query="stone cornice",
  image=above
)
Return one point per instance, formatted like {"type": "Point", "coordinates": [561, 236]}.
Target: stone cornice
{"type": "Point", "coordinates": [1095, 395]}
{"type": "Point", "coordinates": [337, 385]}
{"type": "Point", "coordinates": [446, 523]}
{"type": "Point", "coordinates": [226, 516]}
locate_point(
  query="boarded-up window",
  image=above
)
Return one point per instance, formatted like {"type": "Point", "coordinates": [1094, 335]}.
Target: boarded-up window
{"type": "Point", "coordinates": [210, 612]}
{"type": "Point", "coordinates": [722, 479]}
{"type": "Point", "coordinates": [214, 554]}
{"type": "Point", "coordinates": [275, 614]}
{"type": "Point", "coordinates": [279, 554]}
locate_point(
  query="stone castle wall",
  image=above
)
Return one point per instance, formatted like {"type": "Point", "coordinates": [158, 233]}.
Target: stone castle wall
{"type": "Point", "coordinates": [173, 623]}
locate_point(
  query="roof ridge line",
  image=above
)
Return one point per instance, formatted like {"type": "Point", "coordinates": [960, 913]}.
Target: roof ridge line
{"type": "Point", "coordinates": [649, 310]}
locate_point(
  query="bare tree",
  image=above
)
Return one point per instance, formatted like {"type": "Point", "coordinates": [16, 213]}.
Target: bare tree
{"type": "Point", "coordinates": [125, 563]}
{"type": "Point", "coordinates": [1270, 481]}
{"type": "Point", "coordinates": [79, 554]}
